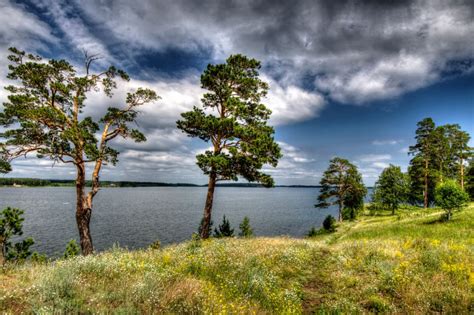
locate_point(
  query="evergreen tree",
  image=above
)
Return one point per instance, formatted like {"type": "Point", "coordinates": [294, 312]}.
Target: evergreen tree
{"type": "Point", "coordinates": [460, 151]}
{"type": "Point", "coordinates": [245, 228]}
{"type": "Point", "coordinates": [329, 223]}
{"type": "Point", "coordinates": [224, 229]}
{"type": "Point", "coordinates": [392, 188]}
{"type": "Point", "coordinates": [11, 225]}
{"type": "Point", "coordinates": [43, 115]}
{"type": "Point", "coordinates": [72, 249]}
{"type": "Point", "coordinates": [469, 187]}
{"type": "Point", "coordinates": [242, 142]}
{"type": "Point", "coordinates": [423, 152]}
{"type": "Point", "coordinates": [341, 183]}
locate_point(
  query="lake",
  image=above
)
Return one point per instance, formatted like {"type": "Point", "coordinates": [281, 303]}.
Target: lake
{"type": "Point", "coordinates": [135, 217]}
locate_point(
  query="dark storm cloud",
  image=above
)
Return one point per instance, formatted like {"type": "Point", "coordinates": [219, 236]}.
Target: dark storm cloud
{"type": "Point", "coordinates": [356, 51]}
{"type": "Point", "coordinates": [313, 53]}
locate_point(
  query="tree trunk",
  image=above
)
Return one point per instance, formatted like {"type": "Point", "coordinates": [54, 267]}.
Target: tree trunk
{"type": "Point", "coordinates": [341, 206]}
{"type": "Point", "coordinates": [449, 214]}
{"type": "Point", "coordinates": [206, 222]}
{"type": "Point", "coordinates": [425, 192]}
{"type": "Point", "coordinates": [83, 211]}
{"type": "Point", "coordinates": [462, 173]}
{"type": "Point", "coordinates": [3, 253]}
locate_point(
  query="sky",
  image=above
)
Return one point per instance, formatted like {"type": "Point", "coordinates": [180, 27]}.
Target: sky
{"type": "Point", "coordinates": [347, 78]}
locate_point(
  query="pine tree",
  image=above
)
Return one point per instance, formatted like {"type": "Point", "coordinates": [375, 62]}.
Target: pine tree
{"type": "Point", "coordinates": [224, 229]}
{"type": "Point", "coordinates": [341, 185]}
{"type": "Point", "coordinates": [242, 142]}
{"type": "Point", "coordinates": [11, 225]}
{"type": "Point", "coordinates": [43, 116]}
{"type": "Point", "coordinates": [245, 228]}
{"type": "Point", "coordinates": [423, 152]}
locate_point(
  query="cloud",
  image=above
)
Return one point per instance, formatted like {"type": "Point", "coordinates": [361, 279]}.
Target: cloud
{"type": "Point", "coordinates": [357, 52]}
{"type": "Point", "coordinates": [292, 104]}
{"type": "Point", "coordinates": [374, 157]}
{"type": "Point", "coordinates": [386, 142]}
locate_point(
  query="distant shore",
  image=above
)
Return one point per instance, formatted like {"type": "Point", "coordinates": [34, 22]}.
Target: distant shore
{"type": "Point", "coordinates": [36, 182]}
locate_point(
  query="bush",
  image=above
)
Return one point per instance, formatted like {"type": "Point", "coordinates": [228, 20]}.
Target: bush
{"type": "Point", "coordinates": [72, 249]}
{"type": "Point", "coordinates": [11, 224]}
{"type": "Point", "coordinates": [224, 229]}
{"type": "Point", "coordinates": [245, 228]}
{"type": "Point", "coordinates": [39, 258]}
{"type": "Point", "coordinates": [329, 223]}
{"type": "Point", "coordinates": [450, 196]}
{"type": "Point", "coordinates": [155, 245]}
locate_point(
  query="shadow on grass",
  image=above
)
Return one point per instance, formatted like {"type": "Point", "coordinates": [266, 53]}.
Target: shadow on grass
{"type": "Point", "coordinates": [440, 220]}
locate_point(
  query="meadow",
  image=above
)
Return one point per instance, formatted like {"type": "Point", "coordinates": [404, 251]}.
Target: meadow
{"type": "Point", "coordinates": [408, 263]}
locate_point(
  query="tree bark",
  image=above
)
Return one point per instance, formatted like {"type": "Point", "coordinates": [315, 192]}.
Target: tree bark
{"type": "Point", "coordinates": [341, 206]}
{"type": "Point", "coordinates": [83, 211]}
{"type": "Point", "coordinates": [3, 253]}
{"type": "Point", "coordinates": [206, 222]}
{"type": "Point", "coordinates": [425, 193]}
{"type": "Point", "coordinates": [462, 173]}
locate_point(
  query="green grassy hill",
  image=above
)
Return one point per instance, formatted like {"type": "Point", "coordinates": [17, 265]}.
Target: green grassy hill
{"type": "Point", "coordinates": [409, 263]}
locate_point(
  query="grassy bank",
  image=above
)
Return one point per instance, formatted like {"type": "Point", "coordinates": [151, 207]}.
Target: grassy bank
{"type": "Point", "coordinates": [409, 263]}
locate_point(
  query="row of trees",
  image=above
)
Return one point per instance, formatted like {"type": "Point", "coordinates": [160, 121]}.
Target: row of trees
{"type": "Point", "coordinates": [442, 161]}
{"type": "Point", "coordinates": [44, 115]}
{"type": "Point", "coordinates": [440, 153]}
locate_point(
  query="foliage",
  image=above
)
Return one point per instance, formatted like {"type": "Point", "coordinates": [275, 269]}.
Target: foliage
{"type": "Point", "coordinates": [72, 249]}
{"type": "Point", "coordinates": [450, 196]}
{"type": "Point", "coordinates": [39, 258]}
{"type": "Point", "coordinates": [341, 185]}
{"type": "Point", "coordinates": [155, 245]}
{"type": "Point", "coordinates": [392, 188]}
{"type": "Point", "coordinates": [43, 115]}
{"type": "Point", "coordinates": [470, 179]}
{"type": "Point", "coordinates": [11, 226]}
{"type": "Point", "coordinates": [440, 153]}
{"type": "Point", "coordinates": [329, 224]}
{"type": "Point", "coordinates": [224, 229]}
{"type": "Point", "coordinates": [245, 229]}
{"type": "Point", "coordinates": [241, 138]}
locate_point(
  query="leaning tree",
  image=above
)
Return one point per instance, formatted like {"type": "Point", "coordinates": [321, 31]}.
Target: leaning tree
{"type": "Point", "coordinates": [235, 122]}
{"type": "Point", "coordinates": [44, 115]}
{"type": "Point", "coordinates": [341, 185]}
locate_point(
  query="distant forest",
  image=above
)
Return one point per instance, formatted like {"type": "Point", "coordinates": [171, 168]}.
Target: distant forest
{"type": "Point", "coordinates": [68, 183]}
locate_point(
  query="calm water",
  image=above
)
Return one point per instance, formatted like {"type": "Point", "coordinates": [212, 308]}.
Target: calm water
{"type": "Point", "coordinates": [135, 217]}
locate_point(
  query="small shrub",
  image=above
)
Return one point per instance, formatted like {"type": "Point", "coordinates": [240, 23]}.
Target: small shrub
{"type": "Point", "coordinates": [39, 258]}
{"type": "Point", "coordinates": [224, 229]}
{"type": "Point", "coordinates": [155, 245]}
{"type": "Point", "coordinates": [72, 249]}
{"type": "Point", "coordinates": [315, 232]}
{"type": "Point", "coordinates": [377, 304]}
{"type": "Point", "coordinates": [329, 223]}
{"type": "Point", "coordinates": [245, 228]}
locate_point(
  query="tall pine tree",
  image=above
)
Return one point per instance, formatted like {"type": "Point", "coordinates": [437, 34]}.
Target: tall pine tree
{"type": "Point", "coordinates": [235, 124]}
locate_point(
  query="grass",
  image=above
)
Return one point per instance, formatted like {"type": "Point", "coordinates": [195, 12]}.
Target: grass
{"type": "Point", "coordinates": [408, 263]}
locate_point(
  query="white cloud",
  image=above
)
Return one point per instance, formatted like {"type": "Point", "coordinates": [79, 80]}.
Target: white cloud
{"type": "Point", "coordinates": [386, 142]}
{"type": "Point", "coordinates": [374, 157]}
{"type": "Point", "coordinates": [292, 104]}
